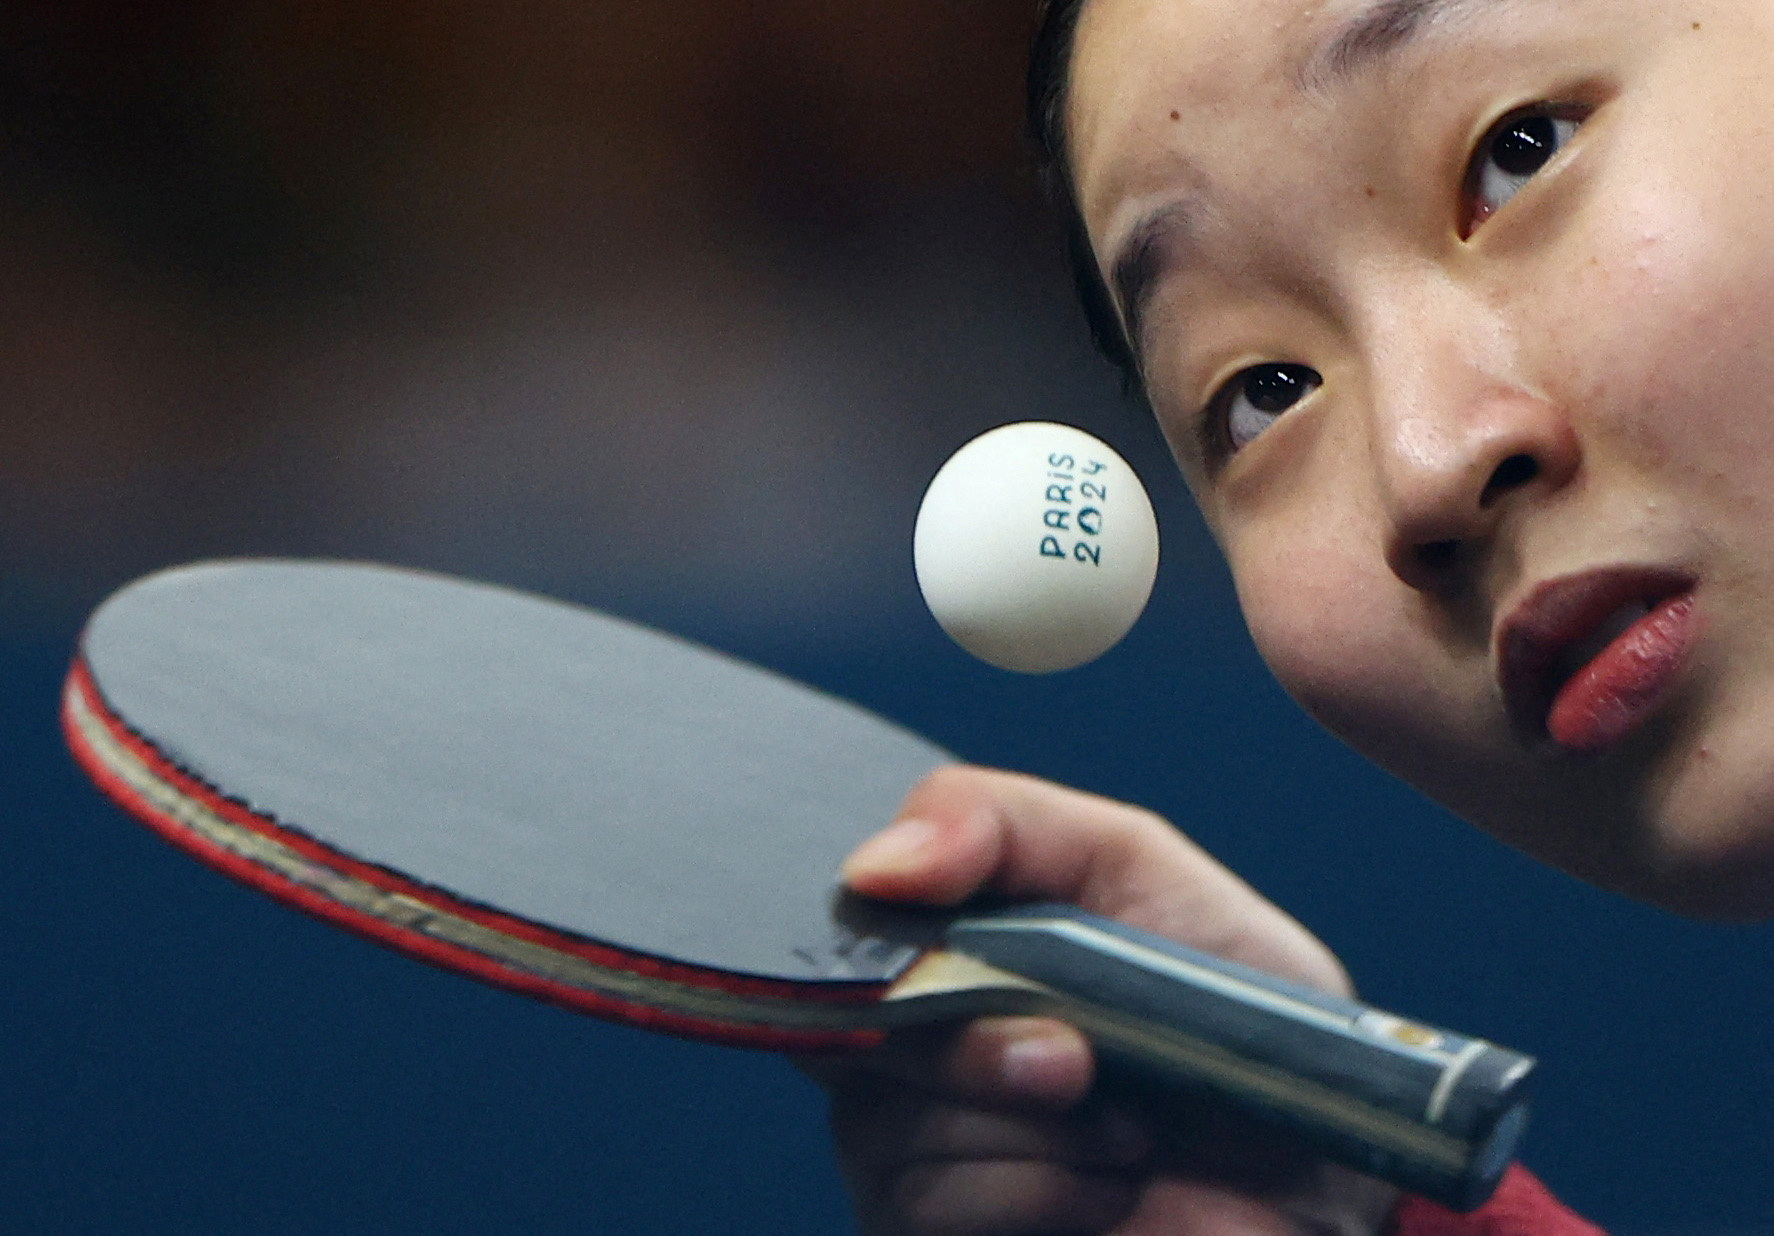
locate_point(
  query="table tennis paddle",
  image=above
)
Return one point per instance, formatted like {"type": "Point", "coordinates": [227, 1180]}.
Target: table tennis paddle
{"type": "Point", "coordinates": [574, 807]}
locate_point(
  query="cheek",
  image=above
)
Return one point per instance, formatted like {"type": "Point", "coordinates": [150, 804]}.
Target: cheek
{"type": "Point", "coordinates": [1708, 374]}
{"type": "Point", "coordinates": [1672, 303]}
{"type": "Point", "coordinates": [1323, 625]}
{"type": "Point", "coordinates": [1359, 653]}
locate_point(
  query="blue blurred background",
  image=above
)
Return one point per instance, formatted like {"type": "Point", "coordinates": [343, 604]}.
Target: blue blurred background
{"type": "Point", "coordinates": [673, 308]}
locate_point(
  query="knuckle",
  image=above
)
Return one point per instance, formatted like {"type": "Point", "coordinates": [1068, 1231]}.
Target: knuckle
{"type": "Point", "coordinates": [1142, 829]}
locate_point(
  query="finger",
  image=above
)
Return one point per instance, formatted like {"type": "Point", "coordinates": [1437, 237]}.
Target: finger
{"type": "Point", "coordinates": [1017, 1063]}
{"type": "Point", "coordinates": [885, 1133]}
{"type": "Point", "coordinates": [1101, 1139]}
{"type": "Point", "coordinates": [965, 830]}
{"type": "Point", "coordinates": [1023, 1061]}
{"type": "Point", "coordinates": [1015, 1197]}
{"type": "Point", "coordinates": [888, 1134]}
{"type": "Point", "coordinates": [1334, 1203]}
{"type": "Point", "coordinates": [1172, 1207]}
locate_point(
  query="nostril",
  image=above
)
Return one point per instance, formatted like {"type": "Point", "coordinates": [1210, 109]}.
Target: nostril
{"type": "Point", "coordinates": [1512, 473]}
{"type": "Point", "coordinates": [1437, 556]}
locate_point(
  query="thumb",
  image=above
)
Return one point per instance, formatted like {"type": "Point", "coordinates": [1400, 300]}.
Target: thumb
{"type": "Point", "coordinates": [964, 831]}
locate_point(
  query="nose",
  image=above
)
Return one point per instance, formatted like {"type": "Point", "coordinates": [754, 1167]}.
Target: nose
{"type": "Point", "coordinates": [1458, 449]}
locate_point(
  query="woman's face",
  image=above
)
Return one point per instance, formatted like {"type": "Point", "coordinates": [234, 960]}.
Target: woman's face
{"type": "Point", "coordinates": [1457, 314]}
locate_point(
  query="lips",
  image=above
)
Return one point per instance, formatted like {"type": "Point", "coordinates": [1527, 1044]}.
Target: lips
{"type": "Point", "coordinates": [1587, 658]}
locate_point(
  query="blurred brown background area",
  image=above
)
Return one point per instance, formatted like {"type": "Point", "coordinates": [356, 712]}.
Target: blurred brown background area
{"type": "Point", "coordinates": [667, 298]}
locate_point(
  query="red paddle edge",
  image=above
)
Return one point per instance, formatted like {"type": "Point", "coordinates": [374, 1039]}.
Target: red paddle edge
{"type": "Point", "coordinates": [80, 686]}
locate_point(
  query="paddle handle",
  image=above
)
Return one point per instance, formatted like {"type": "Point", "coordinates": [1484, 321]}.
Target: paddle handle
{"type": "Point", "coordinates": [1434, 1112]}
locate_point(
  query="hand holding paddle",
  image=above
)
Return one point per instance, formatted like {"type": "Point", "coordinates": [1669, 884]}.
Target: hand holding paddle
{"type": "Point", "coordinates": [988, 1128]}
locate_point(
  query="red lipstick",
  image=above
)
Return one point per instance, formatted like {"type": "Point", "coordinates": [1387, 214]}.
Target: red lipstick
{"type": "Point", "coordinates": [1587, 658]}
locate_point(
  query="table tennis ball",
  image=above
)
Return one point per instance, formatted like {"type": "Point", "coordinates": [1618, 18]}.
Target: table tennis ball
{"type": "Point", "coordinates": [1036, 547]}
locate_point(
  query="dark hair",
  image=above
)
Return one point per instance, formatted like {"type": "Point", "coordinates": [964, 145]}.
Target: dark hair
{"type": "Point", "coordinates": [1050, 70]}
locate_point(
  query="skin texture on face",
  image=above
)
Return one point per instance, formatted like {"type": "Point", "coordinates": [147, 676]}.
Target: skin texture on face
{"type": "Point", "coordinates": [1537, 389]}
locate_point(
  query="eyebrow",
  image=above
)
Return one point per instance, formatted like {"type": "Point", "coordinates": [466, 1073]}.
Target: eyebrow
{"type": "Point", "coordinates": [1138, 264]}
{"type": "Point", "coordinates": [1376, 34]}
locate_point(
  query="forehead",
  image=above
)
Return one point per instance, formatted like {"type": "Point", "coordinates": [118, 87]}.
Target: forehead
{"type": "Point", "coordinates": [1132, 59]}
{"type": "Point", "coordinates": [1221, 65]}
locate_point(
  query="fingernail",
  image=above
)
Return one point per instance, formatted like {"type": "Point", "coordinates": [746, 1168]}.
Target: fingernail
{"type": "Point", "coordinates": [1039, 1064]}
{"type": "Point", "coordinates": [897, 849]}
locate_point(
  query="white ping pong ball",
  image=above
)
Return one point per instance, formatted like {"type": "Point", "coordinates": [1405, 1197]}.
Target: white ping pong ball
{"type": "Point", "coordinates": [1036, 547]}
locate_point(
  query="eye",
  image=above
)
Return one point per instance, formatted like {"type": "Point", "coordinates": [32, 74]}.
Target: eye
{"type": "Point", "coordinates": [1509, 156]}
{"type": "Point", "coordinates": [1254, 400]}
